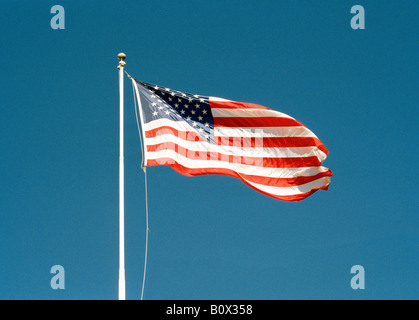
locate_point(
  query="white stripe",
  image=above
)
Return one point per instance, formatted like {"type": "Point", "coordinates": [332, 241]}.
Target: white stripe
{"type": "Point", "coordinates": [220, 112]}
{"type": "Point", "coordinates": [280, 191]}
{"type": "Point", "coordinates": [218, 99]}
{"type": "Point", "coordinates": [288, 191]}
{"type": "Point", "coordinates": [235, 132]}
{"type": "Point", "coordinates": [238, 167]}
{"type": "Point", "coordinates": [238, 150]}
{"type": "Point", "coordinates": [178, 125]}
{"type": "Point", "coordinates": [263, 132]}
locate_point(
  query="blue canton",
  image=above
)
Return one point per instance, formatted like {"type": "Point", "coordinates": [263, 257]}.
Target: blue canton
{"type": "Point", "coordinates": [160, 102]}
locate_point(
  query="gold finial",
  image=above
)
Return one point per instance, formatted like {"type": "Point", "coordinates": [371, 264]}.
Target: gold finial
{"type": "Point", "coordinates": [121, 56]}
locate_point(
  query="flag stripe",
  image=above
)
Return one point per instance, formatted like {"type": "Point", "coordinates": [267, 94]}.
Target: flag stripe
{"type": "Point", "coordinates": [171, 127]}
{"type": "Point", "coordinates": [224, 112]}
{"type": "Point", "coordinates": [295, 142]}
{"type": "Point", "coordinates": [264, 132]}
{"type": "Point", "coordinates": [271, 162]}
{"type": "Point", "coordinates": [269, 181]}
{"type": "Point", "coordinates": [165, 125]}
{"type": "Point", "coordinates": [255, 122]}
{"type": "Point", "coordinates": [241, 146]}
{"type": "Point", "coordinates": [167, 130]}
{"type": "Point", "coordinates": [295, 193]}
{"type": "Point", "coordinates": [227, 104]}
{"type": "Point", "coordinates": [277, 142]}
{"type": "Point", "coordinates": [239, 168]}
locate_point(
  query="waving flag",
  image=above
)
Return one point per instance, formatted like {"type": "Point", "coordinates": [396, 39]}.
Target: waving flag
{"type": "Point", "coordinates": [268, 150]}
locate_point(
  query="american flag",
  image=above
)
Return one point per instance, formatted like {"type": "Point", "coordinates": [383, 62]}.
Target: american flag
{"type": "Point", "coordinates": [268, 150]}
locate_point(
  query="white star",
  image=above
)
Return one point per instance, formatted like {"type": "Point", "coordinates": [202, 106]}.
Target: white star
{"type": "Point", "coordinates": [188, 118]}
{"type": "Point", "coordinates": [193, 112]}
{"type": "Point", "coordinates": [176, 105]}
{"type": "Point", "coordinates": [155, 113]}
{"type": "Point", "coordinates": [200, 118]}
{"type": "Point", "coordinates": [167, 112]}
{"type": "Point", "coordinates": [153, 104]}
{"type": "Point", "coordinates": [182, 111]}
{"type": "Point", "coordinates": [190, 99]}
{"type": "Point", "coordinates": [194, 124]}
{"type": "Point", "coordinates": [173, 94]}
{"type": "Point", "coordinates": [201, 100]}
{"type": "Point", "coordinates": [186, 106]}
{"type": "Point", "coordinates": [197, 106]}
{"type": "Point", "coordinates": [200, 130]}
{"type": "Point", "coordinates": [156, 87]}
{"type": "Point", "coordinates": [204, 111]}
{"type": "Point", "coordinates": [206, 124]}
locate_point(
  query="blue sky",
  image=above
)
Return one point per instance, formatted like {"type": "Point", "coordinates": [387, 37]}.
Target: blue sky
{"type": "Point", "coordinates": [211, 237]}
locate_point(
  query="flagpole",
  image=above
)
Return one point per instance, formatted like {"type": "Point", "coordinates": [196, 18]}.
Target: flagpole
{"type": "Point", "coordinates": [121, 283]}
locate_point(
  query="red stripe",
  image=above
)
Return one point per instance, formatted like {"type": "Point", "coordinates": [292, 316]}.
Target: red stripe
{"type": "Point", "coordinates": [290, 142]}
{"type": "Point", "coordinates": [195, 172]}
{"type": "Point", "coordinates": [234, 122]}
{"type": "Point", "coordinates": [291, 162]}
{"type": "Point", "coordinates": [268, 181]}
{"type": "Point", "coordinates": [235, 105]}
{"type": "Point", "coordinates": [271, 142]}
{"type": "Point", "coordinates": [285, 182]}
{"type": "Point", "coordinates": [185, 135]}
{"type": "Point", "coordinates": [268, 142]}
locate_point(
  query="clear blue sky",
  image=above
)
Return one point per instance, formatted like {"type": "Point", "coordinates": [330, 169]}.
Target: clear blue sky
{"type": "Point", "coordinates": [212, 237]}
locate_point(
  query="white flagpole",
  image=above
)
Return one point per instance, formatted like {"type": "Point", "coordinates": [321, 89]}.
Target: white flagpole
{"type": "Point", "coordinates": [121, 283]}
